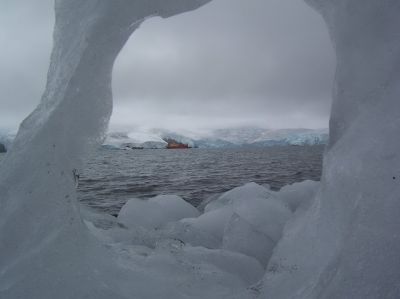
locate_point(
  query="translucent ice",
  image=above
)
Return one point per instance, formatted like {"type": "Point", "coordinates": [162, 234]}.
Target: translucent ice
{"type": "Point", "coordinates": [212, 222]}
{"type": "Point", "coordinates": [241, 236]}
{"type": "Point", "coordinates": [248, 191]}
{"type": "Point", "coordinates": [348, 243]}
{"type": "Point", "coordinates": [45, 250]}
{"type": "Point", "coordinates": [155, 212]}
{"type": "Point", "coordinates": [345, 245]}
{"type": "Point", "coordinates": [298, 195]}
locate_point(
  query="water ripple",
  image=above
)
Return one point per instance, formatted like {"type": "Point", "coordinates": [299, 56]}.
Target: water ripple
{"type": "Point", "coordinates": [111, 177]}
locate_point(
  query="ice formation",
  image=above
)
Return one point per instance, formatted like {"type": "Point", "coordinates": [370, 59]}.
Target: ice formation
{"type": "Point", "coordinates": [155, 212]}
{"type": "Point", "coordinates": [348, 243]}
{"type": "Point", "coordinates": [344, 243]}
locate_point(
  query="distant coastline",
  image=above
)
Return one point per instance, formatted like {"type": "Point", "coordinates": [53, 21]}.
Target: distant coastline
{"type": "Point", "coordinates": [247, 137]}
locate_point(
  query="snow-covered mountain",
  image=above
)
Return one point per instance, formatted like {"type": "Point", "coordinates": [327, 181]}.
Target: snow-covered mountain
{"type": "Point", "coordinates": [139, 139]}
{"type": "Point", "coordinates": [220, 138]}
{"type": "Point", "coordinates": [267, 137]}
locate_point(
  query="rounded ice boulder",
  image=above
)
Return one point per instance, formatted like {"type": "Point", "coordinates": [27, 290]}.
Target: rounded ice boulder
{"type": "Point", "coordinates": [255, 227]}
{"type": "Point", "coordinates": [298, 195]}
{"type": "Point", "coordinates": [242, 193]}
{"type": "Point", "coordinates": [155, 212]}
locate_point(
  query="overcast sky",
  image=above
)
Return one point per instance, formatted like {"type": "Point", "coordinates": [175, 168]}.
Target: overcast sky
{"type": "Point", "coordinates": [231, 63]}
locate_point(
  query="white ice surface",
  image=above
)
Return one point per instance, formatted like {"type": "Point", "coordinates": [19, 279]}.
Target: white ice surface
{"type": "Point", "coordinates": [347, 245]}
{"type": "Point", "coordinates": [298, 195]}
{"type": "Point", "coordinates": [238, 194]}
{"type": "Point", "coordinates": [155, 212]}
{"type": "Point", "coordinates": [241, 236]}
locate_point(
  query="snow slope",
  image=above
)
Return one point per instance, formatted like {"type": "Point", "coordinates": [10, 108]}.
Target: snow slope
{"type": "Point", "coordinates": [136, 139]}
{"type": "Point", "coordinates": [222, 138]}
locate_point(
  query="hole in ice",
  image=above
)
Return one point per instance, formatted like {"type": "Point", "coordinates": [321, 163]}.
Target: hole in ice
{"type": "Point", "coordinates": [168, 76]}
{"type": "Point", "coordinates": [229, 245]}
{"type": "Point", "coordinates": [181, 73]}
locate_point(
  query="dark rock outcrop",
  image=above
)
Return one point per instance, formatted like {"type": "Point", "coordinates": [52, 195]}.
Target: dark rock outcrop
{"type": "Point", "coordinates": [2, 148]}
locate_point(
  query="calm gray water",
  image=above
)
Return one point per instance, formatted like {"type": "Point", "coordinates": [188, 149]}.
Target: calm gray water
{"type": "Point", "coordinates": [112, 177]}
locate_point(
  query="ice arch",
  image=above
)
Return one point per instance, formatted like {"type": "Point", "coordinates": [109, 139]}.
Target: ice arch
{"type": "Point", "coordinates": [347, 246]}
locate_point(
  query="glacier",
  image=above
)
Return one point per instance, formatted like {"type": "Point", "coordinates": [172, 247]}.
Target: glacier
{"type": "Point", "coordinates": [220, 138]}
{"type": "Point", "coordinates": [138, 139]}
{"type": "Point", "coordinates": [342, 243]}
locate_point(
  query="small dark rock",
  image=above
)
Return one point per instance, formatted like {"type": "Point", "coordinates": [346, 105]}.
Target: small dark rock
{"type": "Point", "coordinates": [2, 148]}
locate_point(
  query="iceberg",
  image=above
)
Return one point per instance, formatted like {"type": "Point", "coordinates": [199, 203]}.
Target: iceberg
{"type": "Point", "coordinates": [343, 243]}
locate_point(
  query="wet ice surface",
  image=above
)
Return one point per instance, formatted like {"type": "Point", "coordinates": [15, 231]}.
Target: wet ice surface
{"type": "Point", "coordinates": [112, 177]}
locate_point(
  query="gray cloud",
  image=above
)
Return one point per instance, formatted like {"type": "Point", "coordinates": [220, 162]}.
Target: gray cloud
{"type": "Point", "coordinates": [25, 39]}
{"type": "Point", "coordinates": [232, 62]}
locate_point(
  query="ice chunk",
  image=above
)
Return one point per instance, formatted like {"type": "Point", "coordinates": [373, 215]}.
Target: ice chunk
{"type": "Point", "coordinates": [247, 191]}
{"type": "Point", "coordinates": [256, 227]}
{"type": "Point", "coordinates": [241, 236]}
{"type": "Point", "coordinates": [298, 194]}
{"type": "Point", "coordinates": [268, 216]}
{"type": "Point", "coordinates": [155, 212]}
{"type": "Point", "coordinates": [243, 266]}
{"type": "Point", "coordinates": [190, 234]}
{"type": "Point", "coordinates": [253, 203]}
{"type": "Point", "coordinates": [212, 222]}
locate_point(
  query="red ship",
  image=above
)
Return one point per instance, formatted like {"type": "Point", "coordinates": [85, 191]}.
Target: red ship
{"type": "Point", "coordinates": [173, 144]}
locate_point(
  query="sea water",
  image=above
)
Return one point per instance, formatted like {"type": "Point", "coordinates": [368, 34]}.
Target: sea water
{"type": "Point", "coordinates": [111, 177]}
